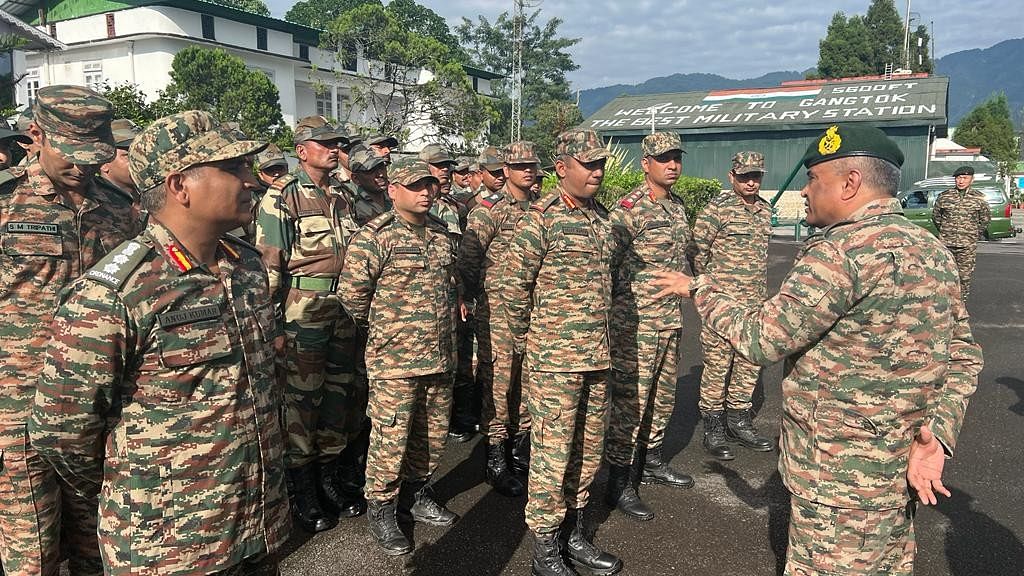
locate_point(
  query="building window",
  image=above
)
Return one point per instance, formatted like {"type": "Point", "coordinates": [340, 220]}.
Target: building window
{"type": "Point", "coordinates": [208, 27]}
{"type": "Point", "coordinates": [110, 25]}
{"type": "Point", "coordinates": [31, 84]}
{"type": "Point", "coordinates": [303, 52]}
{"type": "Point", "coordinates": [325, 104]}
{"type": "Point", "coordinates": [93, 72]}
{"type": "Point", "coordinates": [261, 38]}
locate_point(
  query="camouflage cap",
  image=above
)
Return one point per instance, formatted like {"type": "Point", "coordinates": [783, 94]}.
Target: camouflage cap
{"type": "Point", "coordinates": [582, 144]}
{"type": "Point", "coordinates": [436, 154]}
{"type": "Point", "coordinates": [381, 140]}
{"type": "Point", "coordinates": [845, 140]}
{"type": "Point", "coordinates": [351, 132]}
{"type": "Point", "coordinates": [124, 131]}
{"type": "Point", "coordinates": [176, 142]}
{"type": "Point", "coordinates": [660, 142]}
{"type": "Point", "coordinates": [747, 162]}
{"type": "Point", "coordinates": [521, 152]}
{"type": "Point", "coordinates": [410, 170]}
{"type": "Point", "coordinates": [462, 163]}
{"type": "Point", "coordinates": [76, 121]}
{"type": "Point", "coordinates": [24, 119]}
{"type": "Point", "coordinates": [362, 159]}
{"type": "Point", "coordinates": [271, 156]}
{"type": "Point", "coordinates": [490, 158]}
{"type": "Point", "coordinates": [316, 128]}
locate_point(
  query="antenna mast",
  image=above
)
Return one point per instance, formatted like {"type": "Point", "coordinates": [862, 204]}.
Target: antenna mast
{"type": "Point", "coordinates": [518, 24]}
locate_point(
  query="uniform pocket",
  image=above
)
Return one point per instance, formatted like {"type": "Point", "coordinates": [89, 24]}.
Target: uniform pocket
{"type": "Point", "coordinates": [33, 245]}
{"type": "Point", "coordinates": [189, 352]}
{"type": "Point", "coordinates": [315, 236]}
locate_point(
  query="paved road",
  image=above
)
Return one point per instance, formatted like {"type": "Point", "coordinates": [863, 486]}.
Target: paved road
{"type": "Point", "coordinates": [734, 521]}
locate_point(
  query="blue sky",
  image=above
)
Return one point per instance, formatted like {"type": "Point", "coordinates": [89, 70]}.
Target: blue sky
{"type": "Point", "coordinates": [629, 41]}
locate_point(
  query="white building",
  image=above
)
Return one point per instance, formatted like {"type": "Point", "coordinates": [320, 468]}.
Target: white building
{"type": "Point", "coordinates": [134, 41]}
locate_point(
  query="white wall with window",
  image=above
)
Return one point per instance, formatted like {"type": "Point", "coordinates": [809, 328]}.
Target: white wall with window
{"type": "Point", "coordinates": [92, 74]}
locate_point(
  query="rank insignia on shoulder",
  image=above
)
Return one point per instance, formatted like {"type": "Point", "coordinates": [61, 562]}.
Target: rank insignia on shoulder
{"type": "Point", "coordinates": [116, 266]}
{"type": "Point", "coordinates": [491, 200]}
{"type": "Point", "coordinates": [631, 199]}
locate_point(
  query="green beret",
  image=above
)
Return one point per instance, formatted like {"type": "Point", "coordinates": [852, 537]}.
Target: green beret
{"type": "Point", "coordinates": [845, 140]}
{"type": "Point", "coordinates": [964, 171]}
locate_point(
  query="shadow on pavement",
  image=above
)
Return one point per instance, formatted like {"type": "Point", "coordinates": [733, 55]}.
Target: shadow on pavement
{"type": "Point", "coordinates": [977, 545]}
{"type": "Point", "coordinates": [771, 495]}
{"type": "Point", "coordinates": [1017, 385]}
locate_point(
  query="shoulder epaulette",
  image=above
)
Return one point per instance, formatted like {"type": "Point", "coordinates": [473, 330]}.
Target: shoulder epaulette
{"type": "Point", "coordinates": [10, 175]}
{"type": "Point", "coordinates": [632, 198]}
{"type": "Point", "coordinates": [238, 241]}
{"type": "Point", "coordinates": [379, 222]}
{"type": "Point", "coordinates": [282, 182]}
{"type": "Point", "coordinates": [491, 201]}
{"type": "Point", "coordinates": [115, 268]}
{"type": "Point", "coordinates": [546, 202]}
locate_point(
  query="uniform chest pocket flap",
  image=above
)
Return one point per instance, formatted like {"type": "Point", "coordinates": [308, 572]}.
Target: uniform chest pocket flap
{"type": "Point", "coordinates": [576, 239]}
{"type": "Point", "coordinates": [315, 233]}
{"type": "Point", "coordinates": [409, 257]}
{"type": "Point", "coordinates": [35, 244]}
{"type": "Point", "coordinates": [192, 337]}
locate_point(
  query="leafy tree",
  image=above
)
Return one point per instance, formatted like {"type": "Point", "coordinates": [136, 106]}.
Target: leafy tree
{"type": "Point", "coordinates": [920, 57]}
{"type": "Point", "coordinates": [393, 94]}
{"type": "Point", "coordinates": [989, 126]}
{"type": "Point", "coordinates": [9, 43]}
{"type": "Point", "coordinates": [129, 102]}
{"type": "Point", "coordinates": [213, 80]}
{"type": "Point", "coordinates": [846, 49]}
{"type": "Point", "coordinates": [551, 118]}
{"type": "Point", "coordinates": [885, 32]}
{"type": "Point", "coordinates": [864, 45]}
{"type": "Point", "coordinates": [254, 6]}
{"type": "Point", "coordinates": [425, 22]}
{"type": "Point", "coordinates": [320, 13]}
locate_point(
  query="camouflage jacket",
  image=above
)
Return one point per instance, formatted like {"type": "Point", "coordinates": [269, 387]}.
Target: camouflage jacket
{"type": "Point", "coordinates": [401, 287]}
{"type": "Point", "coordinates": [961, 217]}
{"type": "Point", "coordinates": [45, 243]}
{"type": "Point", "coordinates": [650, 235]}
{"type": "Point", "coordinates": [558, 284]}
{"type": "Point", "coordinates": [159, 385]}
{"type": "Point", "coordinates": [871, 312]}
{"type": "Point", "coordinates": [366, 207]}
{"type": "Point", "coordinates": [730, 239]}
{"type": "Point", "coordinates": [452, 214]}
{"type": "Point", "coordinates": [489, 230]}
{"type": "Point", "coordinates": [301, 232]}
{"type": "Point", "coordinates": [131, 197]}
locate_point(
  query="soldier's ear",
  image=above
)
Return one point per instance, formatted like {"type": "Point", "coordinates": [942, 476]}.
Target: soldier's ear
{"type": "Point", "coordinates": [176, 189]}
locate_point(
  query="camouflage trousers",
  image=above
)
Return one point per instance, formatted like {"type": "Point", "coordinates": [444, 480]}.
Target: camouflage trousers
{"type": "Point", "coordinates": [501, 373]}
{"type": "Point", "coordinates": [729, 379]}
{"type": "Point", "coordinates": [410, 426]}
{"type": "Point", "coordinates": [643, 395]}
{"type": "Point", "coordinates": [325, 393]}
{"type": "Point", "coordinates": [827, 541]}
{"type": "Point", "coordinates": [566, 442]}
{"type": "Point", "coordinates": [263, 566]}
{"type": "Point", "coordinates": [966, 257]}
{"type": "Point", "coordinates": [42, 519]}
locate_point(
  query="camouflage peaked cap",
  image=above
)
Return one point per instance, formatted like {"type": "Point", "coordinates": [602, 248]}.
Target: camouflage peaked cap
{"type": "Point", "coordinates": [362, 159]}
{"type": "Point", "coordinates": [582, 144]}
{"type": "Point", "coordinates": [408, 171]}
{"type": "Point", "coordinates": [747, 162]}
{"type": "Point", "coordinates": [316, 128]}
{"type": "Point", "coordinates": [179, 141]}
{"type": "Point", "coordinates": [271, 156]}
{"type": "Point", "coordinates": [24, 119]}
{"type": "Point", "coordinates": [521, 152]}
{"type": "Point", "coordinates": [490, 159]}
{"type": "Point", "coordinates": [462, 163]}
{"type": "Point", "coordinates": [382, 140]}
{"type": "Point", "coordinates": [76, 121]}
{"type": "Point", "coordinates": [660, 142]}
{"type": "Point", "coordinates": [845, 140]}
{"type": "Point", "coordinates": [436, 154]}
{"type": "Point", "coordinates": [124, 131]}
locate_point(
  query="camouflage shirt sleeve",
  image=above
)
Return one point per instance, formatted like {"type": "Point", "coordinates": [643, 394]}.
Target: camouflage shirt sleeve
{"type": "Point", "coordinates": [984, 213]}
{"type": "Point", "coordinates": [364, 261]}
{"type": "Point", "coordinates": [812, 297]}
{"type": "Point", "coordinates": [623, 233]}
{"type": "Point", "coordinates": [526, 254]}
{"type": "Point", "coordinates": [275, 235]}
{"type": "Point", "coordinates": [80, 384]}
{"type": "Point", "coordinates": [480, 231]}
{"type": "Point", "coordinates": [948, 406]}
{"type": "Point", "coordinates": [706, 227]}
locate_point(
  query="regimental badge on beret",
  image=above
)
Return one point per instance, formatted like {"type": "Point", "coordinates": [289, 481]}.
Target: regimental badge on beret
{"type": "Point", "coordinates": [831, 141]}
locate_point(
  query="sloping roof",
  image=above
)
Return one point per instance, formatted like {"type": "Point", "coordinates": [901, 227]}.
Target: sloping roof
{"type": "Point", "coordinates": [37, 40]}
{"type": "Point", "coordinates": [896, 102]}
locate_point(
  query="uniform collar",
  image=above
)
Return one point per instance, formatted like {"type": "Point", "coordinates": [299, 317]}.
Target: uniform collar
{"type": "Point", "coordinates": [178, 258]}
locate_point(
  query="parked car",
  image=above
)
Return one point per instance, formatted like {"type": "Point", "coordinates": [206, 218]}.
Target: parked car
{"type": "Point", "coordinates": [918, 201]}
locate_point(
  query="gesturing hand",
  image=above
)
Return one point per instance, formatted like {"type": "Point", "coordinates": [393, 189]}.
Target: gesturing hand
{"type": "Point", "coordinates": [924, 469]}
{"type": "Point", "coordinates": [673, 283]}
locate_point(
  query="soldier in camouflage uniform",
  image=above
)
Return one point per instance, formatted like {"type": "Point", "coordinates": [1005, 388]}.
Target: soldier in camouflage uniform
{"type": "Point", "coordinates": [29, 145]}
{"type": "Point", "coordinates": [369, 189]}
{"type": "Point", "coordinates": [399, 284]}
{"type": "Point", "coordinates": [961, 216]}
{"type": "Point", "coordinates": [730, 239]}
{"type": "Point", "coordinates": [461, 189]}
{"type": "Point", "coordinates": [55, 222]}
{"type": "Point", "coordinates": [651, 233]}
{"type": "Point", "coordinates": [382, 145]}
{"type": "Point", "coordinates": [10, 141]}
{"type": "Point", "coordinates": [482, 256]}
{"type": "Point", "coordinates": [302, 229]}
{"type": "Point", "coordinates": [159, 391]}
{"type": "Point", "coordinates": [115, 175]}
{"type": "Point", "coordinates": [270, 165]}
{"type": "Point", "coordinates": [557, 297]}
{"type": "Point", "coordinates": [884, 360]}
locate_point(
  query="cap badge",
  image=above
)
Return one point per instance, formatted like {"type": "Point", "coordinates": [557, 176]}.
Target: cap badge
{"type": "Point", "coordinates": [831, 141]}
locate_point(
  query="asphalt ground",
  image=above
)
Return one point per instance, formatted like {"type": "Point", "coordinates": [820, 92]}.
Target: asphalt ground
{"type": "Point", "coordinates": [734, 521]}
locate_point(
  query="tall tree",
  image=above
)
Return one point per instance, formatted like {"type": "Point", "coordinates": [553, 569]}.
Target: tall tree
{"type": "Point", "coordinates": [847, 49]}
{"type": "Point", "coordinates": [254, 6]}
{"type": "Point", "coordinates": [394, 95]}
{"type": "Point", "coordinates": [425, 22]}
{"type": "Point", "coordinates": [320, 13]}
{"type": "Point", "coordinates": [920, 50]}
{"type": "Point", "coordinates": [989, 126]}
{"type": "Point", "coordinates": [550, 119]}
{"type": "Point", "coordinates": [885, 30]}
{"type": "Point", "coordinates": [213, 80]}
{"type": "Point", "coordinates": [865, 45]}
{"type": "Point", "coordinates": [129, 102]}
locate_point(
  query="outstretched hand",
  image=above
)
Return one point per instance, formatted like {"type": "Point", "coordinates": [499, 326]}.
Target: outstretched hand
{"type": "Point", "coordinates": [672, 283]}
{"type": "Point", "coordinates": [924, 469]}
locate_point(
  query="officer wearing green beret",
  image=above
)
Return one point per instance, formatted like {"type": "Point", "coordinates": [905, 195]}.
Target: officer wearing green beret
{"type": "Point", "coordinates": [961, 215]}
{"type": "Point", "coordinates": [884, 360]}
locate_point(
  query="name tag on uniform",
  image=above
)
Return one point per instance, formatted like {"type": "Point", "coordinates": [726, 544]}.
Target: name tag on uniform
{"type": "Point", "coordinates": [311, 212]}
{"type": "Point", "coordinates": [658, 224]}
{"type": "Point", "coordinates": [576, 231]}
{"type": "Point", "coordinates": [508, 226]}
{"type": "Point", "coordinates": [190, 316]}
{"type": "Point", "coordinates": [33, 228]}
{"type": "Point", "coordinates": [406, 250]}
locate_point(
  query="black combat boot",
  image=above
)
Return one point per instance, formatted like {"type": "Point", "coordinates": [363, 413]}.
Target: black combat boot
{"type": "Point", "coordinates": [583, 553]}
{"type": "Point", "coordinates": [464, 423]}
{"type": "Point", "coordinates": [384, 527]}
{"type": "Point", "coordinates": [521, 453]}
{"type": "Point", "coordinates": [498, 474]}
{"type": "Point", "coordinates": [714, 435]}
{"type": "Point", "coordinates": [622, 493]}
{"type": "Point", "coordinates": [547, 558]}
{"type": "Point", "coordinates": [740, 428]}
{"type": "Point", "coordinates": [305, 504]}
{"type": "Point", "coordinates": [428, 510]}
{"type": "Point", "coordinates": [657, 471]}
